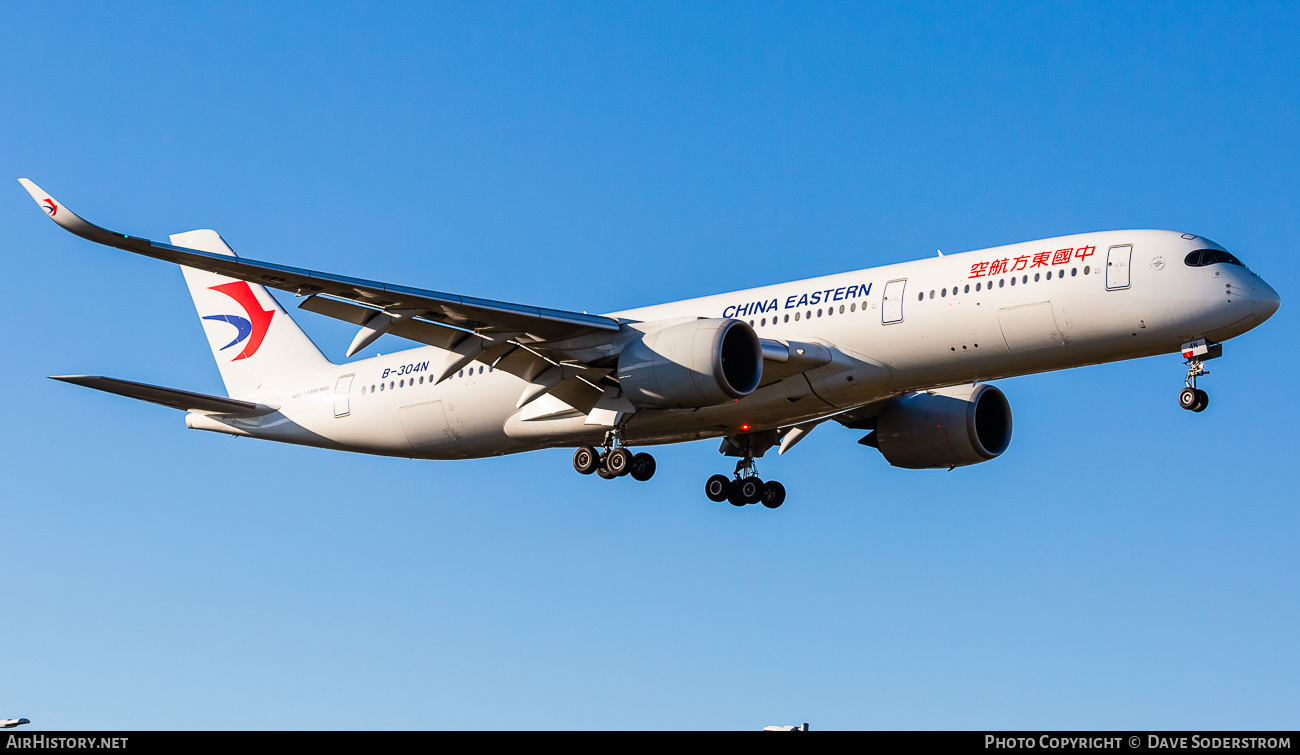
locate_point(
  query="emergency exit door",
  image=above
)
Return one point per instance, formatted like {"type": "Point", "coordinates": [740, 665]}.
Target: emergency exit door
{"type": "Point", "coordinates": [1117, 267]}
{"type": "Point", "coordinates": [891, 305]}
{"type": "Point", "coordinates": [342, 389]}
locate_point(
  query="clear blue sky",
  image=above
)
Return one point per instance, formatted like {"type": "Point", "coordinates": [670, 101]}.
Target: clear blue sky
{"type": "Point", "coordinates": [1126, 564]}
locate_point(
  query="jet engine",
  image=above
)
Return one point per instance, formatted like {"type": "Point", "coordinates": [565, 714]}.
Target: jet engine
{"type": "Point", "coordinates": [944, 428]}
{"type": "Point", "coordinates": [691, 365]}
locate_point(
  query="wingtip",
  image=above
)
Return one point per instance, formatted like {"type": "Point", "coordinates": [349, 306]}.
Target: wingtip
{"type": "Point", "coordinates": [31, 187]}
{"type": "Point", "coordinates": [68, 219]}
{"type": "Point", "coordinates": [43, 199]}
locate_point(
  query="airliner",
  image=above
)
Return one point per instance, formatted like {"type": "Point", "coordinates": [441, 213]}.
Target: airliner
{"type": "Point", "coordinates": [905, 352]}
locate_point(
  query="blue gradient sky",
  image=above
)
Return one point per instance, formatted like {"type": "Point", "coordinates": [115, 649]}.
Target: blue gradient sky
{"type": "Point", "coordinates": [1126, 564]}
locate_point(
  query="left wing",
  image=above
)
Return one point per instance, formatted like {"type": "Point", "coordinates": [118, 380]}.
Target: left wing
{"type": "Point", "coordinates": [472, 328]}
{"type": "Point", "coordinates": [542, 346]}
{"type": "Point", "coordinates": [463, 312]}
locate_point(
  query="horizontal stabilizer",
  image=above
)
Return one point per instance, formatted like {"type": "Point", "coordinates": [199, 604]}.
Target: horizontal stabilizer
{"type": "Point", "coordinates": [170, 397]}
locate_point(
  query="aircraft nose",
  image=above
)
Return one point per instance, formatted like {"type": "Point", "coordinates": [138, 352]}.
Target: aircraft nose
{"type": "Point", "coordinates": [1266, 300]}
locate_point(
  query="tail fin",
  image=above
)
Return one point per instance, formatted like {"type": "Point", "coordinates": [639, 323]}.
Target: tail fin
{"type": "Point", "coordinates": [253, 339]}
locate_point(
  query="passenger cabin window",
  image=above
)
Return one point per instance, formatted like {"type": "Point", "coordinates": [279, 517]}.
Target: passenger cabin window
{"type": "Point", "coordinates": [1203, 257]}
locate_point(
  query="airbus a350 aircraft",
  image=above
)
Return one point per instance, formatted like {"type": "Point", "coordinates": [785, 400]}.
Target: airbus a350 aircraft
{"type": "Point", "coordinates": [902, 351]}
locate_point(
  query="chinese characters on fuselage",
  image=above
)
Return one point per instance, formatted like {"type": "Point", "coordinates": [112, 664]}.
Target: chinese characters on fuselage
{"type": "Point", "coordinates": [1029, 262]}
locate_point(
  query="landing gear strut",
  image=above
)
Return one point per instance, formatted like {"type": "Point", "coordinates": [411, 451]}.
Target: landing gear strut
{"type": "Point", "coordinates": [1191, 397]}
{"type": "Point", "coordinates": [744, 486]}
{"type": "Point", "coordinates": [615, 461]}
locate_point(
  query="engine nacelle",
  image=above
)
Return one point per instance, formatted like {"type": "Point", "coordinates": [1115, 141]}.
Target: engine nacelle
{"type": "Point", "coordinates": [698, 363]}
{"type": "Point", "coordinates": [944, 428]}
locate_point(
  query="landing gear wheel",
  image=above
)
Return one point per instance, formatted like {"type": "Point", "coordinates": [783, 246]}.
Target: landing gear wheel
{"type": "Point", "coordinates": [643, 467]}
{"type": "Point", "coordinates": [586, 460]}
{"type": "Point", "coordinates": [773, 494]}
{"type": "Point", "coordinates": [718, 488]}
{"type": "Point", "coordinates": [604, 473]}
{"type": "Point", "coordinates": [618, 462]}
{"type": "Point", "coordinates": [1188, 399]}
{"type": "Point", "coordinates": [1202, 401]}
{"type": "Point", "coordinates": [734, 497]}
{"type": "Point", "coordinates": [749, 490]}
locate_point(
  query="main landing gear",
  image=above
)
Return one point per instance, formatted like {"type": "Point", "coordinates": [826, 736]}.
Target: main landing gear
{"type": "Point", "coordinates": [614, 461]}
{"type": "Point", "coordinates": [744, 490]}
{"type": "Point", "coordinates": [744, 486]}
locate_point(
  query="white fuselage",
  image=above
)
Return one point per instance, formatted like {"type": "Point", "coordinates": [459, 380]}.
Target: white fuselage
{"type": "Point", "coordinates": [948, 320]}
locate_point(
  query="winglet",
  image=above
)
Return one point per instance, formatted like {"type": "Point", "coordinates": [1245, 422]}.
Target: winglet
{"type": "Point", "coordinates": [72, 222]}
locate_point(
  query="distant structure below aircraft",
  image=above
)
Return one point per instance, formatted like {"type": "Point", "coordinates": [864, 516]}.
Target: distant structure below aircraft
{"type": "Point", "coordinates": [9, 723]}
{"type": "Point", "coordinates": [801, 727]}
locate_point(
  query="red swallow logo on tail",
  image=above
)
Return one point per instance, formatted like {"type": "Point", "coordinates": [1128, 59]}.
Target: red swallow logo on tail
{"type": "Point", "coordinates": [253, 329]}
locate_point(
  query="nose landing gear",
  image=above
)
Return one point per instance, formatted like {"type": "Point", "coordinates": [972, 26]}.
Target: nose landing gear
{"type": "Point", "coordinates": [1190, 397]}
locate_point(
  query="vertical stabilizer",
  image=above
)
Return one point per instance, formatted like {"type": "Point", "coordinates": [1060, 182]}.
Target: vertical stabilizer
{"type": "Point", "coordinates": [253, 339]}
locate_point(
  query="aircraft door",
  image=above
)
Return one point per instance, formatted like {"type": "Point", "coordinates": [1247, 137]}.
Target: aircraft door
{"type": "Point", "coordinates": [891, 309]}
{"type": "Point", "coordinates": [426, 425]}
{"type": "Point", "coordinates": [342, 389]}
{"type": "Point", "coordinates": [1117, 267]}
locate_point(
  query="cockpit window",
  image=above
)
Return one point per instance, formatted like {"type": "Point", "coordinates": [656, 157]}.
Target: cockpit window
{"type": "Point", "coordinates": [1202, 257]}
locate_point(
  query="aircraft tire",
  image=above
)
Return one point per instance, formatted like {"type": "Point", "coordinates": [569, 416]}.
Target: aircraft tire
{"type": "Point", "coordinates": [643, 467]}
{"type": "Point", "coordinates": [586, 460]}
{"type": "Point", "coordinates": [619, 462]}
{"type": "Point", "coordinates": [1202, 401]}
{"type": "Point", "coordinates": [1187, 398]}
{"type": "Point", "coordinates": [718, 488]}
{"type": "Point", "coordinates": [773, 494]}
{"type": "Point", "coordinates": [750, 490]}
